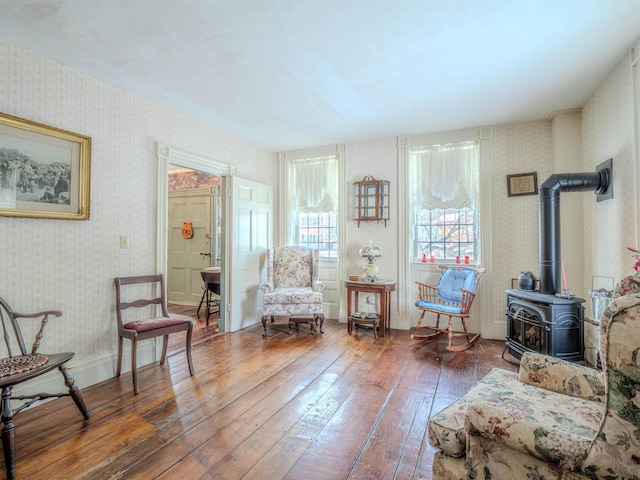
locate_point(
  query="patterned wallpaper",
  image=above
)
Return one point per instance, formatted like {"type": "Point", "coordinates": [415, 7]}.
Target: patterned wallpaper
{"type": "Point", "coordinates": [610, 226]}
{"type": "Point", "coordinates": [70, 265]}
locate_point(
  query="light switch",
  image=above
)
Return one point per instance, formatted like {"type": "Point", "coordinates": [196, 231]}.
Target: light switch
{"type": "Point", "coordinates": [124, 241]}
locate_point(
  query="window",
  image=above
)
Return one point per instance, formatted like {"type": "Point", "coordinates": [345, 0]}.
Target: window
{"type": "Point", "coordinates": [446, 235]}
{"type": "Point", "coordinates": [312, 186]}
{"type": "Point", "coordinates": [319, 230]}
{"type": "Point", "coordinates": [445, 215]}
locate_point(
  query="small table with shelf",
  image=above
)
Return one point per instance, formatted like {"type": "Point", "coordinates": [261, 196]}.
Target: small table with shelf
{"type": "Point", "coordinates": [380, 287]}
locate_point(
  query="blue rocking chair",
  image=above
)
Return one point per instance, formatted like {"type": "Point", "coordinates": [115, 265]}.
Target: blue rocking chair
{"type": "Point", "coordinates": [452, 297]}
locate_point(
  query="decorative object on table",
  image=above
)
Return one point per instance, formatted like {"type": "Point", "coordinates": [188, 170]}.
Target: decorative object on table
{"type": "Point", "coordinates": [636, 254]}
{"type": "Point", "coordinates": [44, 171]}
{"type": "Point", "coordinates": [371, 200]}
{"type": "Point", "coordinates": [599, 301]}
{"type": "Point", "coordinates": [370, 252]}
{"type": "Point", "coordinates": [566, 293]}
{"type": "Point", "coordinates": [527, 281]}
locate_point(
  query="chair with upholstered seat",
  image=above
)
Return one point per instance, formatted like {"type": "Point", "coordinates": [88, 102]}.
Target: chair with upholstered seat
{"type": "Point", "coordinates": [146, 294]}
{"type": "Point", "coordinates": [453, 298]}
{"type": "Point", "coordinates": [292, 288]}
{"type": "Point", "coordinates": [26, 364]}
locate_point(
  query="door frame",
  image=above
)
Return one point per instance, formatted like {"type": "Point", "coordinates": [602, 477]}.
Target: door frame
{"type": "Point", "coordinates": [165, 155]}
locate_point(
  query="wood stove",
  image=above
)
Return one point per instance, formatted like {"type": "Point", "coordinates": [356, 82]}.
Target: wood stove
{"type": "Point", "coordinates": [546, 324]}
{"type": "Point", "coordinates": [543, 321]}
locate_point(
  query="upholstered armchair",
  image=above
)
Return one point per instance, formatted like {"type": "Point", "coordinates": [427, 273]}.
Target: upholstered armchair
{"type": "Point", "coordinates": [554, 419]}
{"type": "Point", "coordinates": [292, 288]}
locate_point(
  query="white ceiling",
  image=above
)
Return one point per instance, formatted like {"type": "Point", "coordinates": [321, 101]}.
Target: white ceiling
{"type": "Point", "coordinates": [289, 74]}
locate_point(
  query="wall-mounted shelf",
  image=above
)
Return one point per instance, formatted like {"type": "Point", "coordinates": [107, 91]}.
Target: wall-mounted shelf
{"type": "Point", "coordinates": [371, 200]}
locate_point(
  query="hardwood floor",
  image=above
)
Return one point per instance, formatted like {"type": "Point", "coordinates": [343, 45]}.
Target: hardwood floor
{"type": "Point", "coordinates": [329, 406]}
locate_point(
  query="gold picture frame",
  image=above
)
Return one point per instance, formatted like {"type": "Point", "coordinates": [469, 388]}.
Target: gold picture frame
{"type": "Point", "coordinates": [45, 172]}
{"type": "Point", "coordinates": [522, 184]}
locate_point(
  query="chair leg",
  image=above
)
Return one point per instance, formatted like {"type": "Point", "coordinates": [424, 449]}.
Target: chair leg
{"type": "Point", "coordinates": [134, 373]}
{"type": "Point", "coordinates": [74, 391]}
{"type": "Point", "coordinates": [204, 293]}
{"type": "Point", "coordinates": [264, 324]}
{"type": "Point", "coordinates": [119, 361]}
{"type": "Point", "coordinates": [188, 350]}
{"type": "Point", "coordinates": [165, 342]}
{"type": "Point", "coordinates": [321, 318]}
{"type": "Point", "coordinates": [8, 434]}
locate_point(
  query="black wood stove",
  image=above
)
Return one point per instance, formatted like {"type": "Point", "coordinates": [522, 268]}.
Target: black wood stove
{"type": "Point", "coordinates": [545, 324]}
{"type": "Point", "coordinates": [551, 321]}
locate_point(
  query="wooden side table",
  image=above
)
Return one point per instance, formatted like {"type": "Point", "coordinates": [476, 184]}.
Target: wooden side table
{"type": "Point", "coordinates": [382, 288]}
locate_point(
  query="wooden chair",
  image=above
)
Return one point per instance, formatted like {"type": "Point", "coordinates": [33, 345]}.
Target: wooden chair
{"type": "Point", "coordinates": [452, 297]}
{"type": "Point", "coordinates": [150, 326]}
{"type": "Point", "coordinates": [211, 292]}
{"type": "Point", "coordinates": [26, 365]}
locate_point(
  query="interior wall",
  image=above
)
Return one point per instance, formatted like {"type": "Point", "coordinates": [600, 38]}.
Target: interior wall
{"type": "Point", "coordinates": [518, 148]}
{"type": "Point", "coordinates": [608, 132]}
{"type": "Point", "coordinates": [70, 265]}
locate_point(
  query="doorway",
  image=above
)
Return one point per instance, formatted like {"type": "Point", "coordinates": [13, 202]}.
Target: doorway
{"type": "Point", "coordinates": [194, 230]}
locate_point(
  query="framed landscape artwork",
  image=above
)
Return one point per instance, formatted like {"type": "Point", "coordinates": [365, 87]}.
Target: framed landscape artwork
{"type": "Point", "coordinates": [44, 171]}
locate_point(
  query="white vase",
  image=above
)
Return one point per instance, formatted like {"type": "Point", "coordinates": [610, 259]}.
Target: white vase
{"type": "Point", "coordinates": [370, 270]}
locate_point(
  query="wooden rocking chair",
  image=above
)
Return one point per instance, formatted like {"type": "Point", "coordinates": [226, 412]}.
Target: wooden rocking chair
{"type": "Point", "coordinates": [452, 297]}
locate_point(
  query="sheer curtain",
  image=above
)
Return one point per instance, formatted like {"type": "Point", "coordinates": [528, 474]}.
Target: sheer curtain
{"type": "Point", "coordinates": [313, 185]}
{"type": "Point", "coordinates": [445, 176]}
{"type": "Point", "coordinates": [312, 188]}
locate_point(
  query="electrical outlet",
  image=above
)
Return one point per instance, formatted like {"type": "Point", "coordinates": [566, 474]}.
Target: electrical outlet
{"type": "Point", "coordinates": [124, 241]}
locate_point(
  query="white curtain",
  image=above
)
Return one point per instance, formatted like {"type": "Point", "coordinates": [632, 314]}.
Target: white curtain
{"type": "Point", "coordinates": [313, 184]}
{"type": "Point", "coordinates": [445, 176]}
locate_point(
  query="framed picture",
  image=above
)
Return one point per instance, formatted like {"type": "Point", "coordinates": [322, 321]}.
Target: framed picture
{"type": "Point", "coordinates": [522, 184]}
{"type": "Point", "coordinates": [44, 171]}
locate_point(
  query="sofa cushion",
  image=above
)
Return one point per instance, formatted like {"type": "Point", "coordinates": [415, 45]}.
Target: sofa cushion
{"type": "Point", "coordinates": [522, 406]}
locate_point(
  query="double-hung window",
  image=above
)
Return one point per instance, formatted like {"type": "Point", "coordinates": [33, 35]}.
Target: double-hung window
{"type": "Point", "coordinates": [312, 186]}
{"type": "Point", "coordinates": [444, 186]}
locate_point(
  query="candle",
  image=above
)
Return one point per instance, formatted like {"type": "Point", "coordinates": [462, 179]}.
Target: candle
{"type": "Point", "coordinates": [564, 278]}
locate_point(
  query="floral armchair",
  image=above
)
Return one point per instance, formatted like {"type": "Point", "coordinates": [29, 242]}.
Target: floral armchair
{"type": "Point", "coordinates": [292, 288]}
{"type": "Point", "coordinates": [554, 419]}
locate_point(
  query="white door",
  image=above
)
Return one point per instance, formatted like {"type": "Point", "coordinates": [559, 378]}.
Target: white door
{"type": "Point", "coordinates": [249, 233]}
{"type": "Point", "coordinates": [186, 257]}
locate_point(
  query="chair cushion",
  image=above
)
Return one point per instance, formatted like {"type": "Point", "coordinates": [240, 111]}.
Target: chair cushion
{"type": "Point", "coordinates": [439, 307]}
{"type": "Point", "coordinates": [366, 315]}
{"type": "Point", "coordinates": [154, 323]}
{"type": "Point", "coordinates": [570, 419]}
{"type": "Point", "coordinates": [292, 295]}
{"type": "Point", "coordinates": [452, 280]}
{"type": "Point", "coordinates": [292, 267]}
{"type": "Point", "coordinates": [20, 364]}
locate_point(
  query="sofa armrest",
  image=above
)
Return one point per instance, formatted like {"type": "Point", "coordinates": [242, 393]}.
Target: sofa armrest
{"type": "Point", "coordinates": [560, 376]}
{"type": "Point", "coordinates": [317, 286]}
{"type": "Point", "coordinates": [267, 287]}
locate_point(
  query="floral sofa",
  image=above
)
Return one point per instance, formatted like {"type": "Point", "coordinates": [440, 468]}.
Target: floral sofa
{"type": "Point", "coordinates": [554, 419]}
{"type": "Point", "coordinates": [292, 288]}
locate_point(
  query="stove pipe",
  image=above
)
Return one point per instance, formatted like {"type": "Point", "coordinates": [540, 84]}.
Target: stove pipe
{"type": "Point", "coordinates": [599, 181]}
